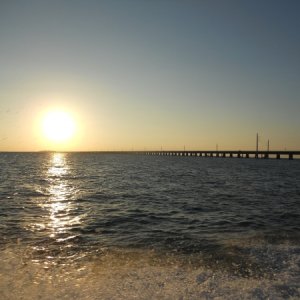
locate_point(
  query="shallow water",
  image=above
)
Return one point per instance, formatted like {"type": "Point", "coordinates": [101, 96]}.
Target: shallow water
{"type": "Point", "coordinates": [104, 226]}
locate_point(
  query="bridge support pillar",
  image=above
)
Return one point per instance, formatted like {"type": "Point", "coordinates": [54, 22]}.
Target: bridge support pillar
{"type": "Point", "coordinates": [291, 156]}
{"type": "Point", "coordinates": [277, 156]}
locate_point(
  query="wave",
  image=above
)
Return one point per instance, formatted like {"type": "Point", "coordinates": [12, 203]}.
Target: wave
{"type": "Point", "coordinates": [123, 273]}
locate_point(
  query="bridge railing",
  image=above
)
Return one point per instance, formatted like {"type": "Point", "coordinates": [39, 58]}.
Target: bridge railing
{"type": "Point", "coordinates": [228, 153]}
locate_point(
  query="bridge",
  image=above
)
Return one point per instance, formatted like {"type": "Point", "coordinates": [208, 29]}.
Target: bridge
{"type": "Point", "coordinates": [219, 153]}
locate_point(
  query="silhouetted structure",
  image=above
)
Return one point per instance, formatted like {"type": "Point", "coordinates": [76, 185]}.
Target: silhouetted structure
{"type": "Point", "coordinates": [238, 154]}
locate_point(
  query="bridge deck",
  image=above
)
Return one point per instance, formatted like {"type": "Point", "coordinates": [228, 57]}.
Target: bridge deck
{"type": "Point", "coordinates": [226, 153]}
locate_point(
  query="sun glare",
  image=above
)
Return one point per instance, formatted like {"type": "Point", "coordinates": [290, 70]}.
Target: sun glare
{"type": "Point", "coordinates": [58, 126]}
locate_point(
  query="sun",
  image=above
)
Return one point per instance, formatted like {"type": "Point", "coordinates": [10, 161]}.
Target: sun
{"type": "Point", "coordinates": [58, 126]}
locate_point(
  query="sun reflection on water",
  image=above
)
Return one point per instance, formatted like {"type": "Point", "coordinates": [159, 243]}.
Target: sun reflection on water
{"type": "Point", "coordinates": [61, 196]}
{"type": "Point", "coordinates": [57, 213]}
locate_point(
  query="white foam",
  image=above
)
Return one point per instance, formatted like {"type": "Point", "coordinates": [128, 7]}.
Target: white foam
{"type": "Point", "coordinates": [136, 274]}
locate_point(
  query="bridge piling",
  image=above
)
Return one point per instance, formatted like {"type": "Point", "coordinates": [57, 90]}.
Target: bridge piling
{"type": "Point", "coordinates": [225, 154]}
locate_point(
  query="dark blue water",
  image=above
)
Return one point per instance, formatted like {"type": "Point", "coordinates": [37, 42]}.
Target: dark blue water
{"type": "Point", "coordinates": [104, 226]}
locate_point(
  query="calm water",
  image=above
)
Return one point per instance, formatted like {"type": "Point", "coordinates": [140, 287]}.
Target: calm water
{"type": "Point", "coordinates": [104, 226]}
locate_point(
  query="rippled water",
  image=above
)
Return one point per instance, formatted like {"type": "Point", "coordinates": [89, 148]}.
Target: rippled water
{"type": "Point", "coordinates": [104, 226]}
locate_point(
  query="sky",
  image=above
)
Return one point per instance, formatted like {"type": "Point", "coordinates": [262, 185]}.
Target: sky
{"type": "Point", "coordinates": [141, 75]}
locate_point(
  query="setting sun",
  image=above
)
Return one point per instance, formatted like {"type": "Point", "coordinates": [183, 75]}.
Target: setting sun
{"type": "Point", "coordinates": [58, 126]}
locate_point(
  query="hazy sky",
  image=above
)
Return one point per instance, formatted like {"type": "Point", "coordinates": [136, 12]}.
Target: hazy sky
{"type": "Point", "coordinates": [145, 74]}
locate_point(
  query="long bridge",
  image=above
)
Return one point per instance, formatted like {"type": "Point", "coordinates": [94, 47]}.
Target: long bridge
{"type": "Point", "coordinates": [220, 153]}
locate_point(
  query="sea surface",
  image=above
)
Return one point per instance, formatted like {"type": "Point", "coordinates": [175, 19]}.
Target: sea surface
{"type": "Point", "coordinates": [126, 226]}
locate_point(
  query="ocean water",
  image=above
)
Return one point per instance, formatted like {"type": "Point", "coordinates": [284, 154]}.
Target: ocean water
{"type": "Point", "coordinates": [109, 226]}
